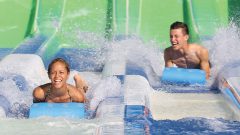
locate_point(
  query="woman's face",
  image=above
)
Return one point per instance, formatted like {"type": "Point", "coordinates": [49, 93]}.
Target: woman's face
{"type": "Point", "coordinates": [58, 75]}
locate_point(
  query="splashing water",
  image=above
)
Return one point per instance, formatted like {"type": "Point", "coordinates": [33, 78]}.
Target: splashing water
{"type": "Point", "coordinates": [224, 53]}
{"type": "Point", "coordinates": [147, 57]}
{"type": "Point", "coordinates": [16, 102]}
{"type": "Point", "coordinates": [107, 87]}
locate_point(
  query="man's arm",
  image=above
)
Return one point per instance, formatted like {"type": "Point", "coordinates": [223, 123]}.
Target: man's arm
{"type": "Point", "coordinates": [204, 62]}
{"type": "Point", "coordinates": [167, 58]}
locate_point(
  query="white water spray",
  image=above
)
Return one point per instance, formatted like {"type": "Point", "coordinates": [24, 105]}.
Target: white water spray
{"type": "Point", "coordinates": [224, 51]}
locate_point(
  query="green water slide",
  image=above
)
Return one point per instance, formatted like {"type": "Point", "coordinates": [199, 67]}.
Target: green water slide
{"type": "Point", "coordinates": [151, 19]}
{"type": "Point", "coordinates": [70, 24]}
{"type": "Point", "coordinates": [16, 21]}
{"type": "Point", "coordinates": [204, 17]}
{"type": "Point", "coordinates": [147, 19]}
{"type": "Point", "coordinates": [83, 23]}
{"type": "Point", "coordinates": [63, 23]}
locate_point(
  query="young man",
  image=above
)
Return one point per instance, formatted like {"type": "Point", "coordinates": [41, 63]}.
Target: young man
{"type": "Point", "coordinates": [185, 55]}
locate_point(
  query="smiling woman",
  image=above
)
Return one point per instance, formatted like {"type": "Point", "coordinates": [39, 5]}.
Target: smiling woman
{"type": "Point", "coordinates": [59, 90]}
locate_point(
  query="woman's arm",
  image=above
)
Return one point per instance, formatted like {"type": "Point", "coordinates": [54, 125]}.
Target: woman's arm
{"type": "Point", "coordinates": [76, 95]}
{"type": "Point", "coordinates": [38, 95]}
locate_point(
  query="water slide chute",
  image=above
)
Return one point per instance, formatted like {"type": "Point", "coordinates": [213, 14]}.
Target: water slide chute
{"type": "Point", "coordinates": [52, 27]}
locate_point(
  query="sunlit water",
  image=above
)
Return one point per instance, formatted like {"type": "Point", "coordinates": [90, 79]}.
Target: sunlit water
{"type": "Point", "coordinates": [142, 58]}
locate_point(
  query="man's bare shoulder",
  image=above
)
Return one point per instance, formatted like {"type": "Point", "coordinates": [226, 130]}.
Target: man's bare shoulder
{"type": "Point", "coordinates": [194, 45]}
{"type": "Point", "coordinates": [168, 49]}
{"type": "Point", "coordinates": [197, 47]}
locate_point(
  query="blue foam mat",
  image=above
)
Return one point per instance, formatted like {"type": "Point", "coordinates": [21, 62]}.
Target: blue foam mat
{"type": "Point", "coordinates": [178, 76]}
{"type": "Point", "coordinates": [69, 110]}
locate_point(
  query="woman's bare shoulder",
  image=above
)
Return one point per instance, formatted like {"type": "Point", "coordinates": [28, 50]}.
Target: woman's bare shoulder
{"type": "Point", "coordinates": [71, 87]}
{"type": "Point", "coordinates": [44, 86]}
{"type": "Point", "coordinates": [39, 92]}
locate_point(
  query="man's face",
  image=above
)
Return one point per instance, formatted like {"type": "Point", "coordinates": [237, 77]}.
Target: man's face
{"type": "Point", "coordinates": [178, 38]}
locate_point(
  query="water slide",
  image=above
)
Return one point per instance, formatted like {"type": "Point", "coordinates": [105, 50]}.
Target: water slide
{"type": "Point", "coordinates": [53, 23]}
{"type": "Point", "coordinates": [46, 28]}
{"type": "Point", "coordinates": [66, 27]}
{"type": "Point", "coordinates": [151, 20]}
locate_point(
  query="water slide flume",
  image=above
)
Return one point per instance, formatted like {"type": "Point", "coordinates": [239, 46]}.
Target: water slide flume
{"type": "Point", "coordinates": [161, 104]}
{"type": "Point", "coordinates": [25, 71]}
{"type": "Point", "coordinates": [182, 103]}
{"type": "Point", "coordinates": [40, 28]}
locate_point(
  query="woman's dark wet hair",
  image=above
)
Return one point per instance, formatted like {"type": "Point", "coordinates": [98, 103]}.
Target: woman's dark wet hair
{"type": "Point", "coordinates": [58, 60]}
{"type": "Point", "coordinates": [177, 25]}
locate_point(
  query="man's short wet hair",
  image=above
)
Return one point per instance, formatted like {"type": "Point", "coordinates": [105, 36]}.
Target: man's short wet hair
{"type": "Point", "coordinates": [177, 25]}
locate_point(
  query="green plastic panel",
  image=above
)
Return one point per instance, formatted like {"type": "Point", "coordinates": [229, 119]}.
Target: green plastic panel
{"type": "Point", "coordinates": [14, 25]}
{"type": "Point", "coordinates": [204, 17]}
{"type": "Point", "coordinates": [84, 23]}
{"type": "Point", "coordinates": [49, 16]}
{"type": "Point", "coordinates": [156, 18]}
{"type": "Point", "coordinates": [81, 21]}
{"type": "Point", "coordinates": [150, 19]}
{"type": "Point", "coordinates": [72, 24]}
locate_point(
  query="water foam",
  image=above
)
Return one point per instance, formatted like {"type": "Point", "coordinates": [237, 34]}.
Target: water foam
{"type": "Point", "coordinates": [224, 53]}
